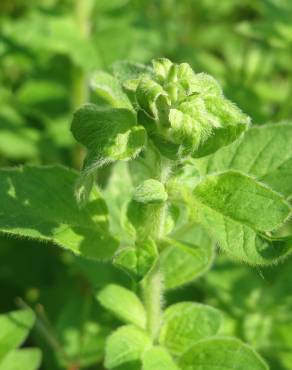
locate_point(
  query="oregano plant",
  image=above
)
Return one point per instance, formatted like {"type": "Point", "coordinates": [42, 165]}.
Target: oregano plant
{"type": "Point", "coordinates": [186, 172]}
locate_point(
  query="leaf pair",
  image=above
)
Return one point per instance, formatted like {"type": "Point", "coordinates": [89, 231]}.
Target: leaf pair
{"type": "Point", "coordinates": [186, 338]}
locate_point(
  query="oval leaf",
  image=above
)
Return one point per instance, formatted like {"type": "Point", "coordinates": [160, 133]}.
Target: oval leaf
{"type": "Point", "coordinates": [123, 303]}
{"type": "Point", "coordinates": [186, 323]}
{"type": "Point", "coordinates": [221, 354]}
{"type": "Point", "coordinates": [125, 346]}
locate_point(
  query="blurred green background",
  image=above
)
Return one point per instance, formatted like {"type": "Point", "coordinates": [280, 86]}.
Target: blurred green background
{"type": "Point", "coordinates": [48, 51]}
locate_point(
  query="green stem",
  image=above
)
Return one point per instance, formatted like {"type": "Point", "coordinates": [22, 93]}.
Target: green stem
{"type": "Point", "coordinates": [153, 285]}
{"type": "Point", "coordinates": [153, 300]}
{"type": "Point", "coordinates": [82, 13]}
{"type": "Point", "coordinates": [79, 89]}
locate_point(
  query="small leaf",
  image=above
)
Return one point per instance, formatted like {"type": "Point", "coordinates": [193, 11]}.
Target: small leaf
{"type": "Point", "coordinates": [265, 152]}
{"type": "Point", "coordinates": [124, 70]}
{"type": "Point", "coordinates": [109, 88]}
{"type": "Point", "coordinates": [150, 191]}
{"type": "Point", "coordinates": [157, 358]}
{"type": "Point", "coordinates": [126, 260]}
{"type": "Point", "coordinates": [125, 346]}
{"type": "Point", "coordinates": [183, 262]}
{"type": "Point", "coordinates": [15, 327]}
{"type": "Point", "coordinates": [28, 359]}
{"type": "Point", "coordinates": [221, 122]}
{"type": "Point", "coordinates": [234, 208]}
{"type": "Point", "coordinates": [186, 323]}
{"type": "Point", "coordinates": [138, 261]}
{"type": "Point", "coordinates": [124, 304]}
{"type": "Point", "coordinates": [39, 203]}
{"type": "Point", "coordinates": [147, 255]}
{"type": "Point", "coordinates": [221, 354]}
{"type": "Point", "coordinates": [161, 68]}
{"type": "Point", "coordinates": [149, 94]}
{"type": "Point", "coordinates": [108, 134]}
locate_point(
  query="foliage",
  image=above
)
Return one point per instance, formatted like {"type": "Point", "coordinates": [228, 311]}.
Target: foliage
{"type": "Point", "coordinates": [176, 189]}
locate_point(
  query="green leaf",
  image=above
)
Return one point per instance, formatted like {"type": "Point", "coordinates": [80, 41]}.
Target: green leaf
{"type": "Point", "coordinates": [126, 260]}
{"type": "Point", "coordinates": [124, 304]}
{"type": "Point", "coordinates": [39, 203]}
{"type": "Point", "coordinates": [264, 152]}
{"type": "Point", "coordinates": [138, 261]}
{"type": "Point", "coordinates": [124, 70]}
{"type": "Point", "coordinates": [15, 327]}
{"type": "Point", "coordinates": [161, 68]}
{"type": "Point", "coordinates": [234, 208]}
{"type": "Point", "coordinates": [28, 359]}
{"type": "Point", "coordinates": [108, 134]}
{"type": "Point", "coordinates": [221, 354]}
{"type": "Point", "coordinates": [125, 345]}
{"type": "Point", "coordinates": [210, 121]}
{"type": "Point", "coordinates": [147, 256]}
{"type": "Point", "coordinates": [150, 191]}
{"type": "Point", "coordinates": [149, 95]}
{"type": "Point", "coordinates": [109, 88]}
{"type": "Point", "coordinates": [157, 358]}
{"type": "Point", "coordinates": [183, 262]}
{"type": "Point", "coordinates": [186, 323]}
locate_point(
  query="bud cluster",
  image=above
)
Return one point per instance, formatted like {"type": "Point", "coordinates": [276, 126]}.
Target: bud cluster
{"type": "Point", "coordinates": [183, 112]}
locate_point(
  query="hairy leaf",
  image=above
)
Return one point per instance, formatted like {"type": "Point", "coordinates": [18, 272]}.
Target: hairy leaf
{"type": "Point", "coordinates": [150, 191]}
{"type": "Point", "coordinates": [124, 70]}
{"type": "Point", "coordinates": [108, 134]}
{"type": "Point", "coordinates": [138, 261]}
{"type": "Point", "coordinates": [15, 327]}
{"type": "Point", "coordinates": [186, 323]}
{"type": "Point", "coordinates": [39, 203]}
{"type": "Point", "coordinates": [157, 358]}
{"type": "Point", "coordinates": [221, 354]}
{"type": "Point", "coordinates": [109, 88]}
{"type": "Point", "coordinates": [264, 152]}
{"type": "Point", "coordinates": [125, 345]}
{"type": "Point", "coordinates": [123, 303]}
{"type": "Point", "coordinates": [234, 208]}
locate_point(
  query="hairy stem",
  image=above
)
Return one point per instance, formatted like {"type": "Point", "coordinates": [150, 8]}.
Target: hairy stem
{"type": "Point", "coordinates": [153, 300]}
{"type": "Point", "coordinates": [153, 285]}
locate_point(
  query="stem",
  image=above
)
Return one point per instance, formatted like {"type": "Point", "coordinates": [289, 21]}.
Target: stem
{"type": "Point", "coordinates": [79, 88]}
{"type": "Point", "coordinates": [153, 284]}
{"type": "Point", "coordinates": [82, 13]}
{"type": "Point", "coordinates": [153, 300]}
{"type": "Point", "coordinates": [44, 328]}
